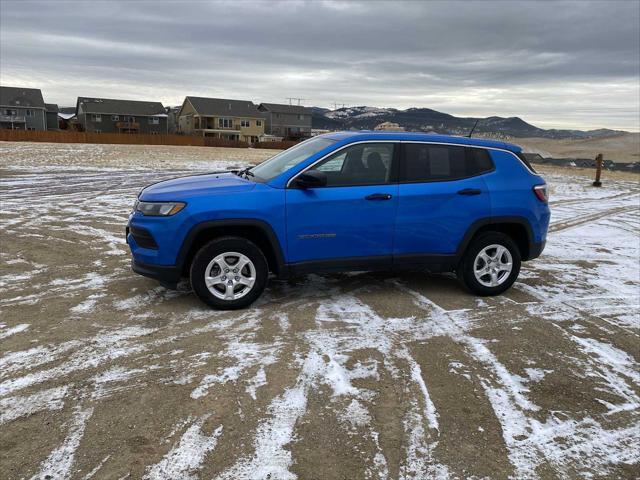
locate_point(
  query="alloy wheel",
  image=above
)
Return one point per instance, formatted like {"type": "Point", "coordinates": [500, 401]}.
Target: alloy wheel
{"type": "Point", "coordinates": [230, 276]}
{"type": "Point", "coordinates": [492, 265]}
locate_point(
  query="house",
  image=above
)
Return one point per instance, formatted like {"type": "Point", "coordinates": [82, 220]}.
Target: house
{"type": "Point", "coordinates": [292, 122]}
{"type": "Point", "coordinates": [172, 118]}
{"type": "Point", "coordinates": [389, 127]}
{"type": "Point", "coordinates": [22, 109]}
{"type": "Point", "coordinates": [319, 131]}
{"type": "Point", "coordinates": [106, 115]}
{"type": "Point", "coordinates": [51, 111]}
{"type": "Point", "coordinates": [221, 118]}
{"type": "Point", "coordinates": [67, 118]}
{"type": "Point", "coordinates": [270, 138]}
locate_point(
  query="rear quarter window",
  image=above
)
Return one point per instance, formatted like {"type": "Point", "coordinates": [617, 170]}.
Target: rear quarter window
{"type": "Point", "coordinates": [526, 161]}
{"type": "Point", "coordinates": [479, 161]}
{"type": "Point", "coordinates": [432, 162]}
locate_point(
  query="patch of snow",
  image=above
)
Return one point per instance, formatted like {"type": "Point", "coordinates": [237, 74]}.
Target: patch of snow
{"type": "Point", "coordinates": [21, 406]}
{"type": "Point", "coordinates": [245, 356]}
{"type": "Point", "coordinates": [536, 374]}
{"type": "Point", "coordinates": [271, 459]}
{"type": "Point", "coordinates": [430, 410]}
{"type": "Point", "coordinates": [259, 380]}
{"type": "Point", "coordinates": [356, 414]}
{"type": "Point", "coordinates": [107, 345]}
{"type": "Point", "coordinates": [96, 469]}
{"type": "Point", "coordinates": [185, 459]}
{"type": "Point", "coordinates": [13, 330]}
{"type": "Point", "coordinates": [87, 306]}
{"type": "Point", "coordinates": [104, 381]}
{"type": "Point", "coordinates": [60, 461]}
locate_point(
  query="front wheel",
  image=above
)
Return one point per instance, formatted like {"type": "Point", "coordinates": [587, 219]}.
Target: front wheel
{"type": "Point", "coordinates": [229, 273]}
{"type": "Point", "coordinates": [490, 265]}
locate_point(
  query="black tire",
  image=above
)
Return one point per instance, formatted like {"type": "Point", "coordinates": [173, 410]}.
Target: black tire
{"type": "Point", "coordinates": [213, 249]}
{"type": "Point", "coordinates": [465, 270]}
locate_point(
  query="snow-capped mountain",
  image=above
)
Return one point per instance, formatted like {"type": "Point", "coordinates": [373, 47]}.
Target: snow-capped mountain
{"type": "Point", "coordinates": [359, 112]}
{"type": "Point", "coordinates": [427, 120]}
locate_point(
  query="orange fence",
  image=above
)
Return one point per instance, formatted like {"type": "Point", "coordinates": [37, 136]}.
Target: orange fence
{"type": "Point", "coordinates": [275, 145]}
{"type": "Point", "coordinates": [120, 138]}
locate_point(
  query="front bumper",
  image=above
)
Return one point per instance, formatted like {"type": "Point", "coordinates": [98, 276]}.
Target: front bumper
{"type": "Point", "coordinates": [167, 275]}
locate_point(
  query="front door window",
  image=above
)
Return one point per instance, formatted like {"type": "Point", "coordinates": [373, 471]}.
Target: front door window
{"type": "Point", "coordinates": [363, 164]}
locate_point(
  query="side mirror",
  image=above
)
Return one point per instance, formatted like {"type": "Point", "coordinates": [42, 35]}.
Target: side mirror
{"type": "Point", "coordinates": [311, 179]}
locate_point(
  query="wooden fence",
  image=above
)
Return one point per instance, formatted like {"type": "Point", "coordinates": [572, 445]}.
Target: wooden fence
{"type": "Point", "coordinates": [125, 138]}
{"type": "Point", "coordinates": [275, 145]}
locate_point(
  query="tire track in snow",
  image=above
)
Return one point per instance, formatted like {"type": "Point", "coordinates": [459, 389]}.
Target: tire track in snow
{"type": "Point", "coordinates": [592, 217]}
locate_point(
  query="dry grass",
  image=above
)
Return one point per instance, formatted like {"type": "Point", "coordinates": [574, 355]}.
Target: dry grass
{"type": "Point", "coordinates": [619, 148]}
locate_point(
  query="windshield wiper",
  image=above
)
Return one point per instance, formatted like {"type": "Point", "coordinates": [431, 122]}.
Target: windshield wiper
{"type": "Point", "coordinates": [246, 172]}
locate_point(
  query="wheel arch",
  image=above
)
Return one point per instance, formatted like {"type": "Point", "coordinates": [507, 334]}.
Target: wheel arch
{"type": "Point", "coordinates": [518, 228]}
{"type": "Point", "coordinates": [254, 230]}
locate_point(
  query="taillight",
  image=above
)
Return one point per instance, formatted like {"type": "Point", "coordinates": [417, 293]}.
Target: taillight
{"type": "Point", "coordinates": [541, 193]}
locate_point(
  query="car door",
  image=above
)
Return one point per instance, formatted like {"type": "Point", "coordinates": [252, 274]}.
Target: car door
{"type": "Point", "coordinates": [441, 193]}
{"type": "Point", "coordinates": [351, 219]}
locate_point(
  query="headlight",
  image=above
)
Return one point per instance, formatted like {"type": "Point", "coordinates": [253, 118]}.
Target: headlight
{"type": "Point", "coordinates": [159, 209]}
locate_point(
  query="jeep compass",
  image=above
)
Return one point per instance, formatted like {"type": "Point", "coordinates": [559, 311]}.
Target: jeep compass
{"type": "Point", "coordinates": [349, 201]}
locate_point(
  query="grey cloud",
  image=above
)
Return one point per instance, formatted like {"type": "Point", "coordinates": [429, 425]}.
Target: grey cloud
{"type": "Point", "coordinates": [573, 64]}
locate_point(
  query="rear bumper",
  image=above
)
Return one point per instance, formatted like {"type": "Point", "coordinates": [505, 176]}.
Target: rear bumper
{"type": "Point", "coordinates": [167, 275]}
{"type": "Point", "coordinates": [535, 249]}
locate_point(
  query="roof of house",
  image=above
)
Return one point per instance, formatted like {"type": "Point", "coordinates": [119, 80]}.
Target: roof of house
{"type": "Point", "coordinates": [119, 107]}
{"type": "Point", "coordinates": [51, 107]}
{"type": "Point", "coordinates": [283, 108]}
{"type": "Point", "coordinates": [21, 97]}
{"type": "Point", "coordinates": [223, 106]}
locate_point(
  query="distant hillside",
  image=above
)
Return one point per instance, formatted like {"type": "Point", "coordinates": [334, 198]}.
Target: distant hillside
{"type": "Point", "coordinates": [427, 120]}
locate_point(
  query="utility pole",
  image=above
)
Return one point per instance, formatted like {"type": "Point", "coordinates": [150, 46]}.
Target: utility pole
{"type": "Point", "coordinates": [297, 99]}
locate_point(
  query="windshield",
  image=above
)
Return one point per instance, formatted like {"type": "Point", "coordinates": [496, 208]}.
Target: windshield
{"type": "Point", "coordinates": [290, 157]}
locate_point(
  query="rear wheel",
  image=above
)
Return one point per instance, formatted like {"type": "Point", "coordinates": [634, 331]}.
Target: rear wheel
{"type": "Point", "coordinates": [229, 273]}
{"type": "Point", "coordinates": [490, 265]}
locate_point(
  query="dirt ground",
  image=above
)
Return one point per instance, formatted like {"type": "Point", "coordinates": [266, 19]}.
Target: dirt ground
{"type": "Point", "coordinates": [105, 374]}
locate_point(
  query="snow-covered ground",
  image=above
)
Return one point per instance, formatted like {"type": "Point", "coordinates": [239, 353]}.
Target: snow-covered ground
{"type": "Point", "coordinates": [105, 374]}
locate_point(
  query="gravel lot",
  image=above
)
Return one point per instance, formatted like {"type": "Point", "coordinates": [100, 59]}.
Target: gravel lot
{"type": "Point", "coordinates": [106, 374]}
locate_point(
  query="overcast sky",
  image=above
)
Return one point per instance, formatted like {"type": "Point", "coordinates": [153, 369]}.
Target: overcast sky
{"type": "Point", "coordinates": [566, 65]}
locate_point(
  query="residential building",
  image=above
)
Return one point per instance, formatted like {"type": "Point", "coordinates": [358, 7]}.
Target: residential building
{"type": "Point", "coordinates": [172, 118]}
{"type": "Point", "coordinates": [389, 127]}
{"type": "Point", "coordinates": [67, 118]}
{"type": "Point", "coordinates": [318, 131]}
{"type": "Point", "coordinates": [51, 110]}
{"type": "Point", "coordinates": [106, 115]}
{"type": "Point", "coordinates": [22, 109]}
{"type": "Point", "coordinates": [221, 118]}
{"type": "Point", "coordinates": [270, 138]}
{"type": "Point", "coordinates": [292, 122]}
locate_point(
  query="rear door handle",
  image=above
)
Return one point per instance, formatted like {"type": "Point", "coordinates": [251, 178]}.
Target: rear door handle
{"type": "Point", "coordinates": [378, 196]}
{"type": "Point", "coordinates": [469, 191]}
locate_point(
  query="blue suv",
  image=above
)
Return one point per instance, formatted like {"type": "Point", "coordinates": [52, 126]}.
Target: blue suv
{"type": "Point", "coordinates": [346, 201]}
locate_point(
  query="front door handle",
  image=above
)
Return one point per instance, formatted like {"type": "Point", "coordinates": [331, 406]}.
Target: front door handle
{"type": "Point", "coordinates": [469, 191]}
{"type": "Point", "coordinates": [378, 196]}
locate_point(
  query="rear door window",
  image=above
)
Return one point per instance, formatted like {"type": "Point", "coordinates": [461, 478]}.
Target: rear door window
{"type": "Point", "coordinates": [433, 163]}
